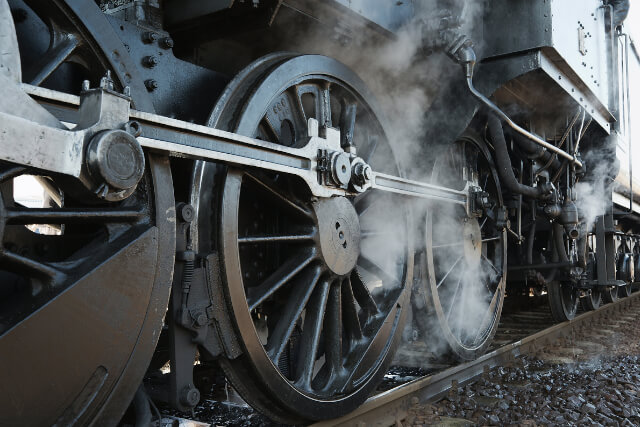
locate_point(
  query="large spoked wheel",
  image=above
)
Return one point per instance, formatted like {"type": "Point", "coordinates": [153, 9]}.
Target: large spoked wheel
{"type": "Point", "coordinates": [316, 288]}
{"type": "Point", "coordinates": [563, 300]}
{"type": "Point", "coordinates": [465, 257]}
{"type": "Point", "coordinates": [84, 284]}
{"type": "Point", "coordinates": [593, 299]}
{"type": "Point", "coordinates": [564, 296]}
{"type": "Point", "coordinates": [624, 269]}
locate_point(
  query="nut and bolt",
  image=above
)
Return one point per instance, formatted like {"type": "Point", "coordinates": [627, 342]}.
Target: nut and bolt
{"type": "Point", "coordinates": [107, 82]}
{"type": "Point", "coordinates": [151, 84]}
{"type": "Point", "coordinates": [185, 212]}
{"type": "Point", "coordinates": [361, 173]}
{"type": "Point", "coordinates": [166, 43]}
{"type": "Point", "coordinates": [149, 37]}
{"type": "Point", "coordinates": [150, 61]}
{"type": "Point", "coordinates": [189, 396]}
{"type": "Point", "coordinates": [201, 320]}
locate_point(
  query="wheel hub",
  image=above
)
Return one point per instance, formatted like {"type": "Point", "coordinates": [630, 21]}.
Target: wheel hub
{"type": "Point", "coordinates": [472, 236]}
{"type": "Point", "coordinates": [339, 230]}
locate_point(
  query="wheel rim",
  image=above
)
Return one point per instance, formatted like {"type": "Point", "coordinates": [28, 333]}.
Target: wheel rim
{"type": "Point", "coordinates": [129, 243]}
{"type": "Point", "coordinates": [564, 299]}
{"type": "Point", "coordinates": [593, 300]}
{"type": "Point", "coordinates": [316, 331]}
{"type": "Point", "coordinates": [466, 279]}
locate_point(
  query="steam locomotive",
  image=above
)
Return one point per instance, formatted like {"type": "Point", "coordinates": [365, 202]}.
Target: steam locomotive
{"type": "Point", "coordinates": [280, 189]}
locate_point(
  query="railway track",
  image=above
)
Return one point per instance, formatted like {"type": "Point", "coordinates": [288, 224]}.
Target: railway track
{"type": "Point", "coordinates": [535, 333]}
{"type": "Point", "coordinates": [526, 328]}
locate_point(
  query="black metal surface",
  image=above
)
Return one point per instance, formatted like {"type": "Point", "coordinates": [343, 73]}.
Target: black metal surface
{"type": "Point", "coordinates": [98, 289]}
{"type": "Point", "coordinates": [103, 284]}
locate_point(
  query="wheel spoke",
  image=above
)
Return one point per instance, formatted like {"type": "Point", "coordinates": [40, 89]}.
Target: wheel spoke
{"type": "Point", "coordinates": [297, 301]}
{"type": "Point", "coordinates": [280, 238]}
{"type": "Point", "coordinates": [333, 332]}
{"type": "Point", "coordinates": [270, 131]}
{"type": "Point", "coordinates": [255, 296]}
{"type": "Point", "coordinates": [370, 149]}
{"type": "Point", "coordinates": [347, 124]}
{"type": "Point", "coordinates": [454, 297]}
{"type": "Point", "coordinates": [487, 261]}
{"type": "Point", "coordinates": [18, 263]}
{"type": "Point", "coordinates": [362, 294]}
{"type": "Point", "coordinates": [52, 59]}
{"type": "Point", "coordinates": [363, 202]}
{"type": "Point", "coordinates": [71, 215]}
{"type": "Point", "coordinates": [271, 189]}
{"type": "Point", "coordinates": [486, 180]}
{"type": "Point", "coordinates": [310, 340]}
{"type": "Point", "coordinates": [491, 239]}
{"type": "Point", "coordinates": [371, 266]}
{"type": "Point", "coordinates": [484, 221]}
{"type": "Point", "coordinates": [447, 245]}
{"type": "Point", "coordinates": [350, 313]}
{"type": "Point", "coordinates": [487, 316]}
{"type": "Point", "coordinates": [364, 234]}
{"type": "Point", "coordinates": [448, 272]}
{"type": "Point", "coordinates": [325, 111]}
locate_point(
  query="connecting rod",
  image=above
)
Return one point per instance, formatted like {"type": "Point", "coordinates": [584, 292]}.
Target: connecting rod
{"type": "Point", "coordinates": [105, 115]}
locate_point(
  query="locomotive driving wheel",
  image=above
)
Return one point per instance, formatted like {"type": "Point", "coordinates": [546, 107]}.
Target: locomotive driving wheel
{"type": "Point", "coordinates": [316, 287]}
{"type": "Point", "coordinates": [564, 296]}
{"type": "Point", "coordinates": [465, 256]}
{"type": "Point", "coordinates": [84, 283]}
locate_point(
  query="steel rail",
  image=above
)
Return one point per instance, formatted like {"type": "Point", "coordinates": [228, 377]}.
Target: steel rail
{"type": "Point", "coordinates": [386, 408]}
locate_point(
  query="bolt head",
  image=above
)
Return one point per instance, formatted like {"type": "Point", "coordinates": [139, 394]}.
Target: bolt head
{"type": "Point", "coordinates": [187, 213]}
{"type": "Point", "coordinates": [150, 61]}
{"type": "Point", "coordinates": [367, 173]}
{"type": "Point", "coordinates": [149, 37]}
{"type": "Point", "coordinates": [201, 319]}
{"type": "Point", "coordinates": [189, 396]}
{"type": "Point", "coordinates": [151, 84]}
{"type": "Point", "coordinates": [167, 43]}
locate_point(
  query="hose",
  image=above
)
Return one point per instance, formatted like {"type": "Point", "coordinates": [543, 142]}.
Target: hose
{"type": "Point", "coordinates": [508, 178]}
{"type": "Point", "coordinates": [534, 151]}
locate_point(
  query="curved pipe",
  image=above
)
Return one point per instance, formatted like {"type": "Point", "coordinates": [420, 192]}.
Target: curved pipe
{"type": "Point", "coordinates": [517, 128]}
{"type": "Point", "coordinates": [531, 237]}
{"type": "Point", "coordinates": [558, 232]}
{"type": "Point", "coordinates": [503, 161]}
{"type": "Point", "coordinates": [534, 151]}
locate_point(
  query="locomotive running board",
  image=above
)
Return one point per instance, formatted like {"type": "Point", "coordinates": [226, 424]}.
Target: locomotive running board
{"type": "Point", "coordinates": [61, 151]}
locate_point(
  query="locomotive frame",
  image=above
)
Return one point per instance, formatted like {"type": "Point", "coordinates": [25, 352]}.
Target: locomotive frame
{"type": "Point", "coordinates": [214, 196]}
